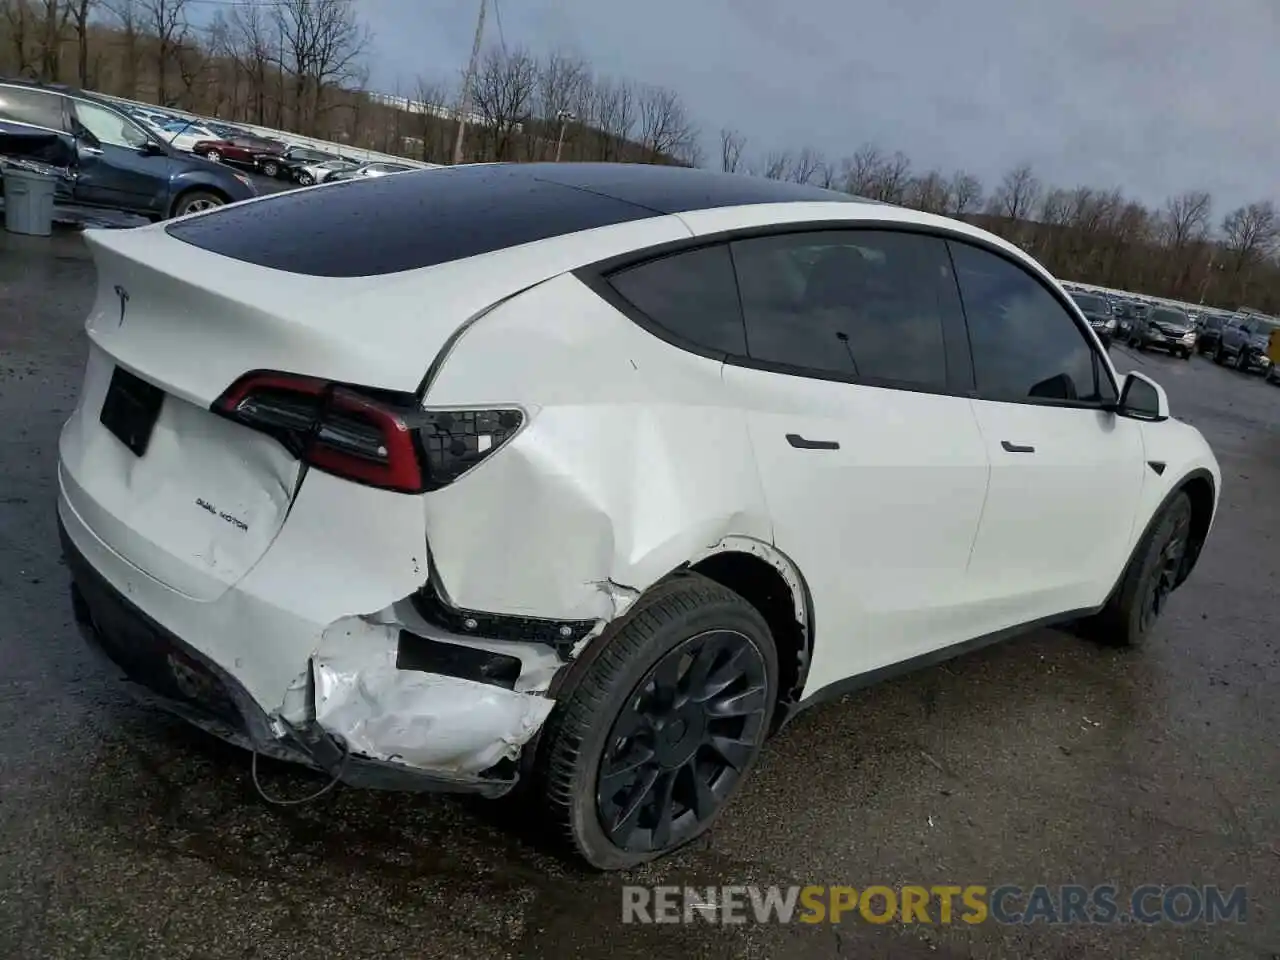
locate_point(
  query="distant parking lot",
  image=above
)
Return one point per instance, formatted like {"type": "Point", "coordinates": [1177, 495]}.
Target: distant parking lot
{"type": "Point", "coordinates": [1047, 759]}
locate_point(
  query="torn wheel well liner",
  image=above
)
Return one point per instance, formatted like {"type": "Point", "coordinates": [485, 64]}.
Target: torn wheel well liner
{"type": "Point", "coordinates": [763, 586]}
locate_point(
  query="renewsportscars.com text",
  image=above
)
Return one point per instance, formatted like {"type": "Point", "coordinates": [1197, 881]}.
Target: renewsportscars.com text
{"type": "Point", "coordinates": [941, 904]}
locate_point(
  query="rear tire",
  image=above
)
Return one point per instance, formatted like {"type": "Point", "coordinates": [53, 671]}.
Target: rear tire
{"type": "Point", "coordinates": [644, 751]}
{"type": "Point", "coordinates": [1151, 576]}
{"type": "Point", "coordinates": [306, 180]}
{"type": "Point", "coordinates": [214, 155]}
{"type": "Point", "coordinates": [1242, 361]}
{"type": "Point", "coordinates": [1218, 356]}
{"type": "Point", "coordinates": [270, 168]}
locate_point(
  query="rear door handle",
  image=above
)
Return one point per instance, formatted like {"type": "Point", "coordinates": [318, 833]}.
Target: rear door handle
{"type": "Point", "coordinates": [1016, 447]}
{"type": "Point", "coordinates": [800, 443]}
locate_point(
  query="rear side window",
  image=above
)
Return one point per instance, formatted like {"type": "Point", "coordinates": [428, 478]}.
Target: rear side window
{"type": "Point", "coordinates": [861, 305]}
{"type": "Point", "coordinates": [1026, 346]}
{"type": "Point", "coordinates": [35, 107]}
{"type": "Point", "coordinates": [691, 295]}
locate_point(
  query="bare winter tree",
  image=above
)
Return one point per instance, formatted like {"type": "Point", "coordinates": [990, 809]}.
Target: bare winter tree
{"type": "Point", "coordinates": [80, 11]}
{"type": "Point", "coordinates": [321, 43]}
{"type": "Point", "coordinates": [732, 143]}
{"type": "Point", "coordinates": [561, 84]}
{"type": "Point", "coordinates": [891, 178]}
{"type": "Point", "coordinates": [1187, 217]}
{"type": "Point", "coordinates": [253, 44]}
{"type": "Point", "coordinates": [861, 172]}
{"type": "Point", "coordinates": [1251, 233]}
{"type": "Point", "coordinates": [613, 113]}
{"type": "Point", "coordinates": [503, 94]}
{"type": "Point", "coordinates": [53, 27]}
{"type": "Point", "coordinates": [126, 15]}
{"type": "Point", "coordinates": [20, 26]}
{"type": "Point", "coordinates": [436, 133]}
{"type": "Point", "coordinates": [777, 165]}
{"type": "Point", "coordinates": [929, 192]}
{"type": "Point", "coordinates": [665, 127]}
{"type": "Point", "coordinates": [964, 194]}
{"type": "Point", "coordinates": [1017, 195]}
{"type": "Point", "coordinates": [806, 166]}
{"type": "Point", "coordinates": [166, 22]}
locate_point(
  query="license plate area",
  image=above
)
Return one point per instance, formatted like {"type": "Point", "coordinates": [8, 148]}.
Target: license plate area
{"type": "Point", "coordinates": [131, 409]}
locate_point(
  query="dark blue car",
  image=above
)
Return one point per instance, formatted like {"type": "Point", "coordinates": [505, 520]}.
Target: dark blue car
{"type": "Point", "coordinates": [111, 159]}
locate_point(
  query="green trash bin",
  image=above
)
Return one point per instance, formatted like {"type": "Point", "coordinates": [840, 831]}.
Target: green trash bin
{"type": "Point", "coordinates": [28, 201]}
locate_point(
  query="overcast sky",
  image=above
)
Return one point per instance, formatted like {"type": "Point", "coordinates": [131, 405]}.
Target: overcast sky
{"type": "Point", "coordinates": [1153, 96]}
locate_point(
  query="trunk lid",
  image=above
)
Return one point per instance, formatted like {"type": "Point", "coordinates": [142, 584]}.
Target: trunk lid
{"type": "Point", "coordinates": [189, 497]}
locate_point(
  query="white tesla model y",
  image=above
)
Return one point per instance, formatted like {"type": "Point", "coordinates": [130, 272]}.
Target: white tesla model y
{"type": "Point", "coordinates": [591, 476]}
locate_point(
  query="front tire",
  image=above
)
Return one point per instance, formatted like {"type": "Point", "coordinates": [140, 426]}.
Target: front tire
{"type": "Point", "coordinates": [270, 168]}
{"type": "Point", "coordinates": [1218, 356]}
{"type": "Point", "coordinates": [657, 734]}
{"type": "Point", "coordinates": [306, 180]}
{"type": "Point", "coordinates": [197, 201]}
{"type": "Point", "coordinates": [1152, 574]}
{"type": "Point", "coordinates": [214, 155]}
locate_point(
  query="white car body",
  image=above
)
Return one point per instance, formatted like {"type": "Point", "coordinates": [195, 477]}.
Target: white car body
{"type": "Point", "coordinates": [182, 136]}
{"type": "Point", "coordinates": [908, 528]}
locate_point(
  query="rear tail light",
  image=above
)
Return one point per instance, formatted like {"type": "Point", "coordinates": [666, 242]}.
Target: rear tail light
{"type": "Point", "coordinates": [368, 436]}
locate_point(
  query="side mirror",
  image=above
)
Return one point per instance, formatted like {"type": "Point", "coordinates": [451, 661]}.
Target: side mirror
{"type": "Point", "coordinates": [151, 149]}
{"type": "Point", "coordinates": [1142, 398]}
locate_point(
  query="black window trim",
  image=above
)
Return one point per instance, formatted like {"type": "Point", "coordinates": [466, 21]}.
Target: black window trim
{"type": "Point", "coordinates": [959, 352]}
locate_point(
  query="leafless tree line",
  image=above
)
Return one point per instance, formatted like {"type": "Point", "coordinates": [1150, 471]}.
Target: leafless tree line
{"type": "Point", "coordinates": [1083, 233]}
{"type": "Point", "coordinates": [300, 65]}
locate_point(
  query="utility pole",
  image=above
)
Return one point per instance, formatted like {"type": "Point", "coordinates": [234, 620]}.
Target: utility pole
{"type": "Point", "coordinates": [565, 117]}
{"type": "Point", "coordinates": [464, 107]}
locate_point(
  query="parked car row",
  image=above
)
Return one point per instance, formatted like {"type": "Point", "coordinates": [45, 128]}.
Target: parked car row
{"type": "Point", "coordinates": [108, 158]}
{"type": "Point", "coordinates": [1250, 342]}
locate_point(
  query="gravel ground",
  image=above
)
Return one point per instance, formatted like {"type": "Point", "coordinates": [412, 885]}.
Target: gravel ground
{"type": "Point", "coordinates": [125, 834]}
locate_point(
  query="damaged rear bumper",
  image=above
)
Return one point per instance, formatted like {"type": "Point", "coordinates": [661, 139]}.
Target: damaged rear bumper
{"type": "Point", "coordinates": [168, 672]}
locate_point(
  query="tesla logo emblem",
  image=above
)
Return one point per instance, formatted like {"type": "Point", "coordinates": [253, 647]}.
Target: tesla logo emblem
{"type": "Point", "coordinates": [123, 294]}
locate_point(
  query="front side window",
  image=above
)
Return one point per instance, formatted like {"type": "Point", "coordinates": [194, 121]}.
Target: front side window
{"type": "Point", "coordinates": [691, 295]}
{"type": "Point", "coordinates": [109, 127]}
{"type": "Point", "coordinates": [1026, 346]}
{"type": "Point", "coordinates": [864, 305]}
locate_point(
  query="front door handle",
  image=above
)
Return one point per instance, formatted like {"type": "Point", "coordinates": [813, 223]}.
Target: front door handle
{"type": "Point", "coordinates": [800, 443]}
{"type": "Point", "coordinates": [1016, 447]}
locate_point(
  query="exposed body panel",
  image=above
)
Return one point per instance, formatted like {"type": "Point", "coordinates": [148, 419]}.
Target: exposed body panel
{"type": "Point", "coordinates": [634, 459]}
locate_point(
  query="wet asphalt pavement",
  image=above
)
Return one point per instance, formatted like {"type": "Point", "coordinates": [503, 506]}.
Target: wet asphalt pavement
{"type": "Point", "coordinates": [1047, 759]}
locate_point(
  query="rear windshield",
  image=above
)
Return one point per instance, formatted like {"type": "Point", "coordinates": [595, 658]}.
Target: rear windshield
{"type": "Point", "coordinates": [379, 225]}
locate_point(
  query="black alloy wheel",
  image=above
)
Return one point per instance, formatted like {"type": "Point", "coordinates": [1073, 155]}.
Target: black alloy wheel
{"type": "Point", "coordinates": [680, 743]}
{"type": "Point", "coordinates": [1171, 553]}
{"type": "Point", "coordinates": [1153, 572]}
{"type": "Point", "coordinates": [658, 724]}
